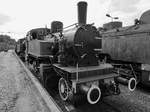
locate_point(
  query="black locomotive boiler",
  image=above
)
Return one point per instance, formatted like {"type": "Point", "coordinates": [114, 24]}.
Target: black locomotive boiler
{"type": "Point", "coordinates": [129, 48]}
{"type": "Point", "coordinates": [68, 59]}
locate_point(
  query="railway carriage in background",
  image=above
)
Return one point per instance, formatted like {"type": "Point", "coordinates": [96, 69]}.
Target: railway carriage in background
{"type": "Point", "coordinates": [128, 48]}
{"type": "Point", "coordinates": [20, 48]}
{"type": "Point", "coordinates": [67, 60]}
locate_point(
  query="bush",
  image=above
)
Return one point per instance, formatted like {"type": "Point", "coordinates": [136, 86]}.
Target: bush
{"type": "Point", "coordinates": [6, 43]}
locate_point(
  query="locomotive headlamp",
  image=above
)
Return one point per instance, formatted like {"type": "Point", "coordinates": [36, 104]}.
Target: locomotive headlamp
{"type": "Point", "coordinates": [108, 15]}
{"type": "Point", "coordinates": [112, 18]}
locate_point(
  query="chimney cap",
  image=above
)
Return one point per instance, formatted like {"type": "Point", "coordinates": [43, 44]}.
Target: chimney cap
{"type": "Point", "coordinates": [84, 2]}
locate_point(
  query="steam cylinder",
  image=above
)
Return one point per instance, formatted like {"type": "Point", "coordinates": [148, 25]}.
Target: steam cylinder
{"type": "Point", "coordinates": [93, 93]}
{"type": "Point", "coordinates": [130, 82]}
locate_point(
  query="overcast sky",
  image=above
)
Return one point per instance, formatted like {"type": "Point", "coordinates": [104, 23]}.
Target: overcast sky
{"type": "Point", "coordinates": [19, 16]}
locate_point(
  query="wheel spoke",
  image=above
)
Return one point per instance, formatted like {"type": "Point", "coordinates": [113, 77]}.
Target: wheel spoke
{"type": "Point", "coordinates": [63, 89]}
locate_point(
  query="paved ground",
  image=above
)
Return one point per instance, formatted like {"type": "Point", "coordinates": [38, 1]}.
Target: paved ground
{"type": "Point", "coordinates": [16, 91]}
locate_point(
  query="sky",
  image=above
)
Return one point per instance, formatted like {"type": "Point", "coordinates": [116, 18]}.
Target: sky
{"type": "Point", "coordinates": [17, 17]}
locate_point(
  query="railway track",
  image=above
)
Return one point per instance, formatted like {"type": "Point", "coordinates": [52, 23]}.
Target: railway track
{"type": "Point", "coordinates": [54, 103]}
{"type": "Point", "coordinates": [110, 106]}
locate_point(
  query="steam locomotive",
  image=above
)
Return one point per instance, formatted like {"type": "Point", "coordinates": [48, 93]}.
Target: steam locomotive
{"type": "Point", "coordinates": [128, 49]}
{"type": "Point", "coordinates": [67, 59]}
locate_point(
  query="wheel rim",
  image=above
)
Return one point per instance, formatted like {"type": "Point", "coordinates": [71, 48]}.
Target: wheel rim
{"type": "Point", "coordinates": [63, 89]}
{"type": "Point", "coordinates": [132, 84]}
{"type": "Point", "coordinates": [94, 99]}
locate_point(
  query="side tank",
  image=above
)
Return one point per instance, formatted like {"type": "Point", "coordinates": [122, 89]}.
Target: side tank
{"type": "Point", "coordinates": [36, 45]}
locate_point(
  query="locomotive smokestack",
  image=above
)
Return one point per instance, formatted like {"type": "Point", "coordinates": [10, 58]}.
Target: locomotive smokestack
{"type": "Point", "coordinates": [82, 12]}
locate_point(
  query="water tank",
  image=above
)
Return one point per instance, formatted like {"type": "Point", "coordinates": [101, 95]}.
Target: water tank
{"type": "Point", "coordinates": [145, 17]}
{"type": "Point", "coordinates": [112, 25]}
